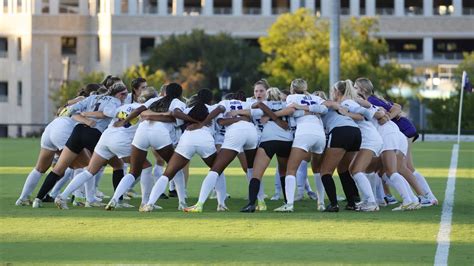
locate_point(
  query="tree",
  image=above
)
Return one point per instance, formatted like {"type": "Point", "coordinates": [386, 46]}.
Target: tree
{"type": "Point", "coordinates": [297, 45]}
{"type": "Point", "coordinates": [69, 89]}
{"type": "Point", "coordinates": [154, 78]}
{"type": "Point", "coordinates": [444, 112]}
{"type": "Point", "coordinates": [204, 56]}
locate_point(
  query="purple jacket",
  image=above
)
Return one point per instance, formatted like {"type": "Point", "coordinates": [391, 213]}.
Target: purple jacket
{"type": "Point", "coordinates": [403, 123]}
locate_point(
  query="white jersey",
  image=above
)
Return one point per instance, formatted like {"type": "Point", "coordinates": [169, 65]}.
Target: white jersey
{"type": "Point", "coordinates": [122, 113]}
{"type": "Point", "coordinates": [271, 131]}
{"type": "Point", "coordinates": [232, 105]}
{"type": "Point", "coordinates": [129, 99]}
{"type": "Point", "coordinates": [310, 123]}
{"type": "Point", "coordinates": [255, 118]}
{"type": "Point", "coordinates": [98, 103]}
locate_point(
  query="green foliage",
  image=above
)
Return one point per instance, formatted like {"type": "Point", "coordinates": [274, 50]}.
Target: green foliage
{"type": "Point", "coordinates": [155, 79]}
{"type": "Point", "coordinates": [297, 45]}
{"type": "Point", "coordinates": [444, 112]}
{"type": "Point", "coordinates": [195, 60]}
{"type": "Point", "coordinates": [68, 90]}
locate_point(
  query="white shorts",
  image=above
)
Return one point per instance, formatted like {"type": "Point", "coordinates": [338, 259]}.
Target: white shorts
{"type": "Point", "coordinates": [218, 139]}
{"type": "Point", "coordinates": [56, 134]}
{"type": "Point", "coordinates": [240, 140]}
{"type": "Point", "coordinates": [394, 141]}
{"type": "Point", "coordinates": [372, 142]}
{"type": "Point", "coordinates": [403, 143]}
{"type": "Point", "coordinates": [114, 144]}
{"type": "Point", "coordinates": [314, 143]}
{"type": "Point", "coordinates": [198, 141]}
{"type": "Point", "coordinates": [148, 136]}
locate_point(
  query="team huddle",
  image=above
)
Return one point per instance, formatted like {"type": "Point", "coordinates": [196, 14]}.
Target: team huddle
{"type": "Point", "coordinates": [366, 138]}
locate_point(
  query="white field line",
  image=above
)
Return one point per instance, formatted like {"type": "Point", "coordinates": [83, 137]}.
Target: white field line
{"type": "Point", "coordinates": [442, 251]}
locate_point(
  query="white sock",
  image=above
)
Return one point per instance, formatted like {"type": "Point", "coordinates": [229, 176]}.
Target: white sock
{"type": "Point", "coordinates": [207, 186]}
{"type": "Point", "coordinates": [420, 179]}
{"type": "Point", "coordinates": [76, 182]}
{"type": "Point", "coordinates": [158, 189]}
{"type": "Point", "coordinates": [319, 188]}
{"type": "Point", "coordinates": [290, 185]}
{"type": "Point", "coordinates": [301, 176]}
{"type": "Point", "coordinates": [30, 183]}
{"type": "Point", "coordinates": [180, 186]}
{"type": "Point", "coordinates": [307, 186]}
{"type": "Point", "coordinates": [412, 195]}
{"type": "Point", "coordinates": [249, 174]}
{"type": "Point", "coordinates": [379, 191]}
{"type": "Point", "coordinates": [364, 187]}
{"type": "Point", "coordinates": [277, 182]}
{"type": "Point", "coordinates": [57, 187]}
{"type": "Point", "coordinates": [123, 186]}
{"type": "Point", "coordinates": [172, 185]}
{"type": "Point", "coordinates": [146, 184]}
{"type": "Point", "coordinates": [221, 190]}
{"type": "Point", "coordinates": [261, 192]}
{"type": "Point", "coordinates": [158, 171]}
{"type": "Point", "coordinates": [396, 181]}
{"type": "Point", "coordinates": [98, 177]}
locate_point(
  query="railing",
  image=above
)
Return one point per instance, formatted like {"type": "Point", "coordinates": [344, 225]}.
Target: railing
{"type": "Point", "coordinates": [414, 11]}
{"type": "Point", "coordinates": [345, 11]}
{"type": "Point", "coordinates": [150, 10]}
{"type": "Point", "coordinates": [3, 98]}
{"type": "Point", "coordinates": [442, 12]}
{"type": "Point", "coordinates": [251, 10]}
{"type": "Point", "coordinates": [448, 56]}
{"type": "Point", "coordinates": [192, 11]}
{"type": "Point", "coordinates": [280, 10]}
{"type": "Point", "coordinates": [384, 11]}
{"type": "Point", "coordinates": [468, 11]}
{"type": "Point", "coordinates": [406, 56]}
{"type": "Point", "coordinates": [222, 10]}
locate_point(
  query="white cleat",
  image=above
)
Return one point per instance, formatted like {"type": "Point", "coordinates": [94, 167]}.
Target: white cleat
{"type": "Point", "coordinates": [22, 202]}
{"type": "Point", "coordinates": [213, 195]}
{"type": "Point", "coordinates": [312, 195]}
{"type": "Point", "coordinates": [367, 207]}
{"type": "Point", "coordinates": [146, 208]}
{"type": "Point", "coordinates": [275, 197]}
{"type": "Point", "coordinates": [299, 197]}
{"type": "Point", "coordinates": [222, 208]}
{"type": "Point", "coordinates": [94, 204]}
{"type": "Point", "coordinates": [402, 207]}
{"type": "Point", "coordinates": [182, 205]}
{"type": "Point", "coordinates": [37, 203]}
{"type": "Point", "coordinates": [125, 205]}
{"type": "Point", "coordinates": [285, 208]}
{"type": "Point", "coordinates": [321, 207]}
{"type": "Point", "coordinates": [111, 205]}
{"type": "Point", "coordinates": [61, 203]}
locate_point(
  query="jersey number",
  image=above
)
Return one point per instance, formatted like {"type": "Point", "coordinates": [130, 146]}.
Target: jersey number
{"type": "Point", "coordinates": [96, 108]}
{"type": "Point", "coordinates": [307, 102]}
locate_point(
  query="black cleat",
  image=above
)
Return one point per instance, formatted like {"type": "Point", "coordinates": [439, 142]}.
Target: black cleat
{"type": "Point", "coordinates": [331, 208]}
{"type": "Point", "coordinates": [248, 208]}
{"type": "Point", "coordinates": [47, 198]}
{"type": "Point", "coordinates": [350, 207]}
{"type": "Point", "coordinates": [172, 194]}
{"type": "Point", "coordinates": [163, 196]}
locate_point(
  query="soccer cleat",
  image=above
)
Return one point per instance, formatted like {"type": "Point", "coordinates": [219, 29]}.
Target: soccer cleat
{"type": "Point", "coordinates": [182, 205]}
{"type": "Point", "coordinates": [79, 202]}
{"type": "Point", "coordinates": [285, 208]}
{"type": "Point", "coordinates": [391, 200]}
{"type": "Point", "coordinates": [48, 198]}
{"type": "Point", "coordinates": [194, 208]}
{"type": "Point", "coordinates": [299, 197]}
{"type": "Point", "coordinates": [100, 194]}
{"type": "Point", "coordinates": [312, 195]}
{"type": "Point", "coordinates": [125, 205]}
{"type": "Point", "coordinates": [261, 206]}
{"type": "Point", "coordinates": [425, 201]}
{"type": "Point", "coordinates": [321, 207]}
{"type": "Point", "coordinates": [341, 198]}
{"type": "Point", "coordinates": [248, 208]}
{"type": "Point", "coordinates": [382, 203]}
{"type": "Point", "coordinates": [275, 197]}
{"type": "Point", "coordinates": [94, 204]}
{"type": "Point", "coordinates": [368, 207]}
{"type": "Point", "coordinates": [213, 194]}
{"type": "Point", "coordinates": [146, 208]}
{"type": "Point", "coordinates": [36, 203]}
{"type": "Point", "coordinates": [111, 205]}
{"type": "Point", "coordinates": [415, 206]}
{"type": "Point", "coordinates": [22, 202]}
{"type": "Point", "coordinates": [172, 194]}
{"type": "Point", "coordinates": [163, 196]}
{"type": "Point", "coordinates": [132, 194]}
{"type": "Point", "coordinates": [350, 207]}
{"type": "Point", "coordinates": [332, 208]}
{"type": "Point", "coordinates": [222, 208]}
{"type": "Point", "coordinates": [403, 207]}
{"type": "Point", "coordinates": [61, 203]}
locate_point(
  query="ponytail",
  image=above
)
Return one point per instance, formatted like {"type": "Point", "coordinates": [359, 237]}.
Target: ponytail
{"type": "Point", "coordinates": [173, 91]}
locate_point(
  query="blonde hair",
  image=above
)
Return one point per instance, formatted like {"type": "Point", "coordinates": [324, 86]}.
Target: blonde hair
{"type": "Point", "coordinates": [299, 86]}
{"type": "Point", "coordinates": [273, 94]}
{"type": "Point", "coordinates": [345, 88]}
{"type": "Point", "coordinates": [146, 94]}
{"type": "Point", "coordinates": [262, 82]}
{"type": "Point", "coordinates": [321, 94]}
{"type": "Point", "coordinates": [365, 86]}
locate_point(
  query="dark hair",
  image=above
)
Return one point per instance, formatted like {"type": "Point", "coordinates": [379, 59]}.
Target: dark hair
{"type": "Point", "coordinates": [135, 85]}
{"type": "Point", "coordinates": [88, 89]}
{"type": "Point", "coordinates": [116, 88]}
{"type": "Point", "coordinates": [173, 91]}
{"type": "Point", "coordinates": [262, 82]}
{"type": "Point", "coordinates": [199, 109]}
{"type": "Point", "coordinates": [110, 80]}
{"type": "Point", "coordinates": [239, 95]}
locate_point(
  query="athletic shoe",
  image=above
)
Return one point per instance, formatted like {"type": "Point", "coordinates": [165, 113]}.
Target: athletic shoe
{"type": "Point", "coordinates": [368, 207]}
{"type": "Point", "coordinates": [285, 208]}
{"type": "Point", "coordinates": [172, 194]}
{"type": "Point", "coordinates": [402, 207]}
{"type": "Point", "coordinates": [350, 207]}
{"type": "Point", "coordinates": [182, 205]}
{"type": "Point", "coordinates": [425, 201]}
{"type": "Point", "coordinates": [415, 206]}
{"type": "Point", "coordinates": [21, 202]}
{"type": "Point", "coordinates": [125, 205]}
{"type": "Point", "coordinates": [48, 198]}
{"type": "Point", "coordinates": [382, 203]}
{"type": "Point", "coordinates": [94, 204]}
{"type": "Point", "coordinates": [261, 206]}
{"type": "Point", "coordinates": [100, 194]}
{"type": "Point", "coordinates": [36, 203]}
{"type": "Point", "coordinates": [146, 208]}
{"type": "Point", "coordinates": [222, 208]}
{"type": "Point", "coordinates": [126, 197]}
{"type": "Point", "coordinates": [341, 198]}
{"type": "Point", "coordinates": [213, 194]}
{"type": "Point", "coordinates": [61, 203]}
{"type": "Point", "coordinates": [157, 207]}
{"type": "Point", "coordinates": [248, 208]}
{"type": "Point", "coordinates": [154, 207]}
{"type": "Point", "coordinates": [321, 207]}
{"type": "Point", "coordinates": [163, 196]}
{"type": "Point", "coordinates": [299, 197]}
{"type": "Point", "coordinates": [275, 197]}
{"type": "Point", "coordinates": [111, 205]}
{"type": "Point", "coordinates": [312, 195]}
{"type": "Point", "coordinates": [194, 208]}
{"type": "Point", "coordinates": [132, 194]}
{"type": "Point", "coordinates": [331, 208]}
{"type": "Point", "coordinates": [391, 200]}
{"type": "Point", "coordinates": [79, 202]}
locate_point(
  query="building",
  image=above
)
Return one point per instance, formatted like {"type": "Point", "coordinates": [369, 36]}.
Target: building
{"type": "Point", "coordinates": [39, 38]}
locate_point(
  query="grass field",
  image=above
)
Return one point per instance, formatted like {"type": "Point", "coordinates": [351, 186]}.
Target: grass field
{"type": "Point", "coordinates": [80, 235]}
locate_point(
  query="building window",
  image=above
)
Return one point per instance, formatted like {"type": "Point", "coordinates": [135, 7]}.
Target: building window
{"type": "Point", "coordinates": [413, 7]}
{"type": "Point", "coordinates": [468, 8]}
{"type": "Point", "coordinates": [362, 7]}
{"type": "Point", "coordinates": [192, 7]}
{"type": "Point", "coordinates": [384, 7]}
{"type": "Point", "coordinates": [69, 6]}
{"type": "Point", "coordinates": [3, 91]}
{"type": "Point", "coordinates": [405, 49]}
{"type": "Point", "coordinates": [451, 49]}
{"type": "Point", "coordinates": [280, 7]}
{"type": "Point", "coordinates": [19, 49]}
{"type": "Point", "coordinates": [345, 7]}
{"type": "Point", "coordinates": [19, 93]}
{"type": "Point", "coordinates": [3, 47]}
{"type": "Point", "coordinates": [222, 7]}
{"type": "Point", "coordinates": [252, 7]}
{"type": "Point", "coordinates": [68, 46]}
{"type": "Point", "coordinates": [443, 7]}
{"type": "Point", "coordinates": [150, 7]}
{"type": "Point", "coordinates": [146, 46]}
{"type": "Point", "coordinates": [3, 131]}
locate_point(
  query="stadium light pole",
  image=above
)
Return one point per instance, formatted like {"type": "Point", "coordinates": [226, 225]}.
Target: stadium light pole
{"type": "Point", "coordinates": [334, 43]}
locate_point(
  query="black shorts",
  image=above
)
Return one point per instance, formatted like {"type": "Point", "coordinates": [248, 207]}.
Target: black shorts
{"type": "Point", "coordinates": [347, 138]}
{"type": "Point", "coordinates": [278, 147]}
{"type": "Point", "coordinates": [83, 136]}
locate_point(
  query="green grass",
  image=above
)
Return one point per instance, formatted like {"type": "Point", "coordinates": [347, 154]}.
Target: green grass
{"type": "Point", "coordinates": [51, 236]}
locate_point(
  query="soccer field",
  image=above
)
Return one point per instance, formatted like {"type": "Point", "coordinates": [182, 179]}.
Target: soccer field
{"type": "Point", "coordinates": [92, 235]}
